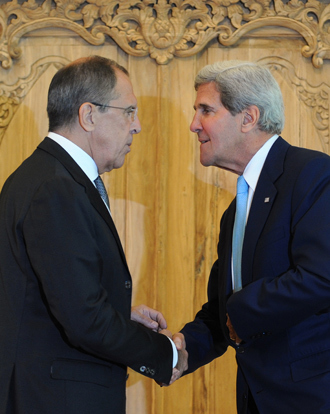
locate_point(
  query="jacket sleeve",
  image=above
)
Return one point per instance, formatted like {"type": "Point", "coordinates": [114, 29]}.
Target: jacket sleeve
{"type": "Point", "coordinates": [204, 336]}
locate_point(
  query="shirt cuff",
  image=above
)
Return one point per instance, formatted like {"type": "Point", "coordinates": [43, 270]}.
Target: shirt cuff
{"type": "Point", "coordinates": [175, 353]}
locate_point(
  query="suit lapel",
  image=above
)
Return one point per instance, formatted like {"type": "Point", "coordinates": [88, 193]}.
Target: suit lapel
{"type": "Point", "coordinates": [262, 204]}
{"type": "Point", "coordinates": [80, 177]}
{"type": "Point", "coordinates": [224, 255]}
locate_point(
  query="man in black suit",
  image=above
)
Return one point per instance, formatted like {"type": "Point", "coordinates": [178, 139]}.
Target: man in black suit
{"type": "Point", "coordinates": [270, 299]}
{"type": "Point", "coordinates": [68, 332]}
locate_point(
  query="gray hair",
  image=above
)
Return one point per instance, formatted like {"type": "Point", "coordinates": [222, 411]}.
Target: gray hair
{"type": "Point", "coordinates": [242, 84]}
{"type": "Point", "coordinates": [89, 79]}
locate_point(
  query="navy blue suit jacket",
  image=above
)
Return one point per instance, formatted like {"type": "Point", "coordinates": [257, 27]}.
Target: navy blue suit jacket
{"type": "Point", "coordinates": [282, 314]}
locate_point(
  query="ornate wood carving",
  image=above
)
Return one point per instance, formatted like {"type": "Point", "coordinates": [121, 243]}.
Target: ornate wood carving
{"type": "Point", "coordinates": [163, 28]}
{"type": "Point", "coordinates": [315, 98]}
{"type": "Point", "coordinates": [11, 96]}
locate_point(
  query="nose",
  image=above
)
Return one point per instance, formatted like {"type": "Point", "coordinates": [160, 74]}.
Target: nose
{"type": "Point", "coordinates": [136, 126]}
{"type": "Point", "coordinates": [195, 125]}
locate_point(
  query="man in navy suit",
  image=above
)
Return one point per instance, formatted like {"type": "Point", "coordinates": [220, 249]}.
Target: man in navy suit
{"type": "Point", "coordinates": [279, 321]}
{"type": "Point", "coordinates": [68, 331]}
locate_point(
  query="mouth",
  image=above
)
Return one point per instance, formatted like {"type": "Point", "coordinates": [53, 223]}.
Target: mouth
{"type": "Point", "coordinates": [203, 141]}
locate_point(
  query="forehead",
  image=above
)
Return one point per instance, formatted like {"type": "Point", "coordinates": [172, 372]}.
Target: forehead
{"type": "Point", "coordinates": [207, 94]}
{"type": "Point", "coordinates": [124, 89]}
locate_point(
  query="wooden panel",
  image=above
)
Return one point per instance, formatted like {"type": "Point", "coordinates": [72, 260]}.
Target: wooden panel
{"type": "Point", "coordinates": [167, 207]}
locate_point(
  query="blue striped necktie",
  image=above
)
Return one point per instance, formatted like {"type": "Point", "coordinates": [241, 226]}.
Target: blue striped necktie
{"type": "Point", "coordinates": [101, 189]}
{"type": "Point", "coordinates": [239, 230]}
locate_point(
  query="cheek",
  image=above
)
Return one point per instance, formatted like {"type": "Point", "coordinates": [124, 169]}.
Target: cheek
{"type": "Point", "coordinates": [120, 143]}
{"type": "Point", "coordinates": [121, 131]}
{"type": "Point", "coordinates": [211, 129]}
{"type": "Point", "coordinates": [115, 137]}
{"type": "Point", "coordinates": [213, 134]}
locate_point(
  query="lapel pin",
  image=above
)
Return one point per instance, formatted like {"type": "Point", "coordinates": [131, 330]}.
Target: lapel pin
{"type": "Point", "coordinates": [267, 199]}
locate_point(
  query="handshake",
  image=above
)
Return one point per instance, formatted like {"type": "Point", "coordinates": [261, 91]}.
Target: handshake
{"type": "Point", "coordinates": [155, 321]}
{"type": "Point", "coordinates": [182, 364]}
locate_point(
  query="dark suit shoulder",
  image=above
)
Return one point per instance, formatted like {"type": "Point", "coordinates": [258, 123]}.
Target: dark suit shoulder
{"type": "Point", "coordinates": [299, 154]}
{"type": "Point", "coordinates": [288, 161]}
{"type": "Point", "coordinates": [307, 165]}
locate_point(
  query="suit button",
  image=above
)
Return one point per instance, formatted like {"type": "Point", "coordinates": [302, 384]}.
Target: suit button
{"type": "Point", "coordinates": [128, 284]}
{"type": "Point", "coordinates": [143, 368]}
{"type": "Point", "coordinates": [240, 350]}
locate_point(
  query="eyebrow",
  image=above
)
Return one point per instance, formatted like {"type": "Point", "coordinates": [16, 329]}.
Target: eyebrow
{"type": "Point", "coordinates": [130, 107]}
{"type": "Point", "coordinates": [203, 106]}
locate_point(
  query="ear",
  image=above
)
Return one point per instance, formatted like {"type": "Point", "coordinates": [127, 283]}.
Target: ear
{"type": "Point", "coordinates": [87, 116]}
{"type": "Point", "coordinates": [250, 118]}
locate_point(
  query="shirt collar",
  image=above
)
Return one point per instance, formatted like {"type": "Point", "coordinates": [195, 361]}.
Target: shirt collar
{"type": "Point", "coordinates": [85, 162]}
{"type": "Point", "coordinates": [253, 169]}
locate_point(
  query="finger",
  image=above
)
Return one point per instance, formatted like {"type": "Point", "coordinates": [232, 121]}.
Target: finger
{"type": "Point", "coordinates": [148, 322]}
{"type": "Point", "coordinates": [161, 321]}
{"type": "Point", "coordinates": [179, 341]}
{"type": "Point", "coordinates": [141, 315]}
{"type": "Point", "coordinates": [229, 324]}
{"type": "Point", "coordinates": [186, 361]}
{"type": "Point", "coordinates": [238, 340]}
{"type": "Point", "coordinates": [158, 317]}
{"type": "Point", "coordinates": [175, 376]}
{"type": "Point", "coordinates": [166, 332]}
{"type": "Point", "coordinates": [183, 361]}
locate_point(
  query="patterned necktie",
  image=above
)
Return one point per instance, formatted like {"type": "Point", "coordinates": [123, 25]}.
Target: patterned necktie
{"type": "Point", "coordinates": [239, 230]}
{"type": "Point", "coordinates": [101, 189]}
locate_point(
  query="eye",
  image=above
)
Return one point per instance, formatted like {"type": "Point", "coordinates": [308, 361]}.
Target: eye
{"type": "Point", "coordinates": [131, 110]}
{"type": "Point", "coordinates": [205, 110]}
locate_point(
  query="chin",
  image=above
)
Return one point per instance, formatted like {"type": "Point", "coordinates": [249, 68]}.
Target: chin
{"type": "Point", "coordinates": [119, 164]}
{"type": "Point", "coordinates": [205, 162]}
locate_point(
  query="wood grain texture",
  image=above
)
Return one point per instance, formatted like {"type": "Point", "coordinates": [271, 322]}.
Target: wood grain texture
{"type": "Point", "coordinates": [166, 206]}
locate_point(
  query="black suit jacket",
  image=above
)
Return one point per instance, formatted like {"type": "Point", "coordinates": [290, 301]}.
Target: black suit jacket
{"type": "Point", "coordinates": [282, 312]}
{"type": "Point", "coordinates": [65, 296]}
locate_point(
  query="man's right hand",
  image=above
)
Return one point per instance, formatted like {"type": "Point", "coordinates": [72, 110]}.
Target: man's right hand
{"type": "Point", "coordinates": [182, 364]}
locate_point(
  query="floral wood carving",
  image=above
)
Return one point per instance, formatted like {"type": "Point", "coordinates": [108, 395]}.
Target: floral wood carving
{"type": "Point", "coordinates": [165, 28]}
{"type": "Point", "coordinates": [315, 98]}
{"type": "Point", "coordinates": [11, 96]}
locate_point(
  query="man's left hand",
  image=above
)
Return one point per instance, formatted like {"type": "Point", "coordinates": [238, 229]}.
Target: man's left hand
{"type": "Point", "coordinates": [232, 333]}
{"type": "Point", "coordinates": [148, 317]}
